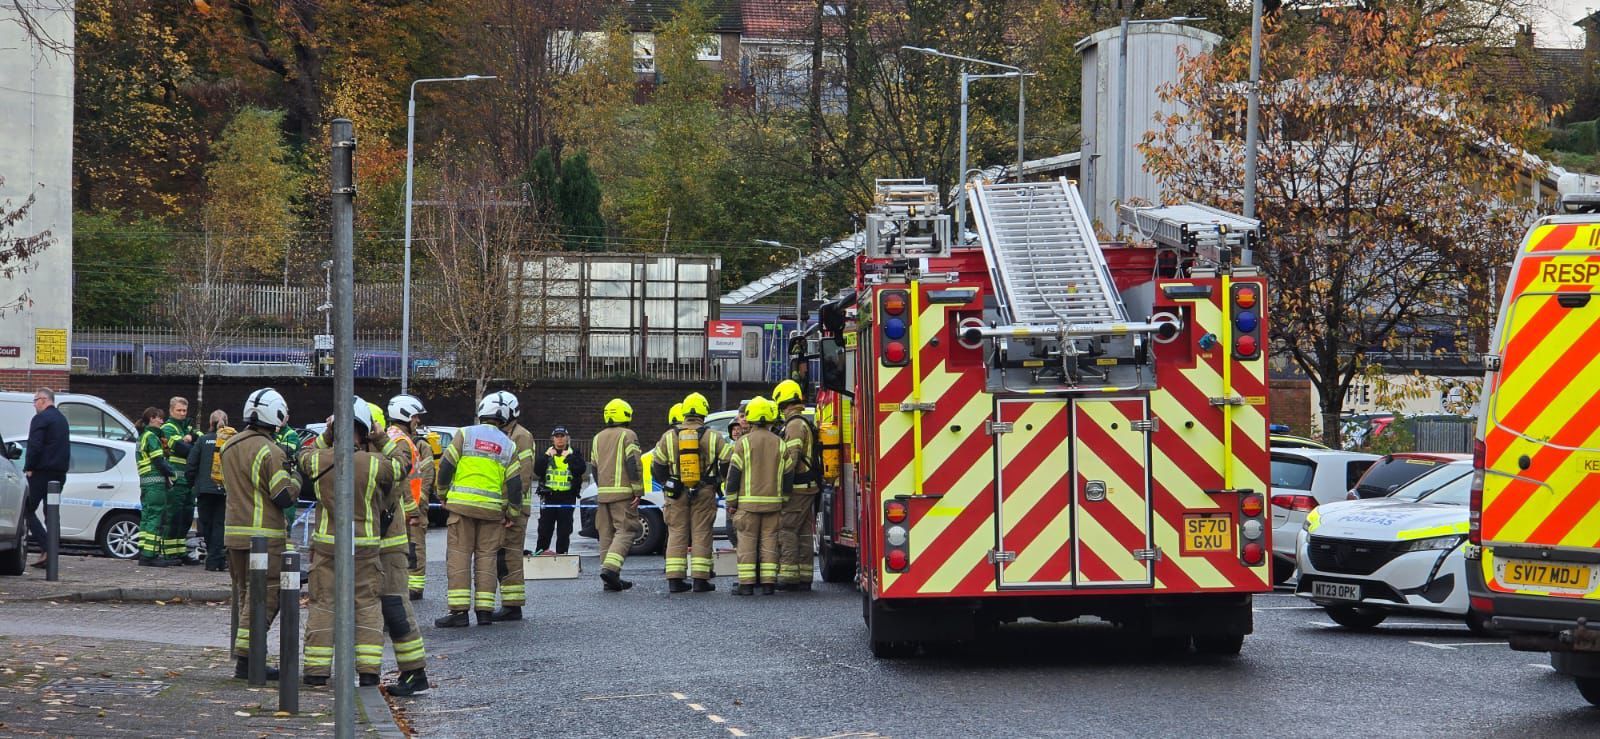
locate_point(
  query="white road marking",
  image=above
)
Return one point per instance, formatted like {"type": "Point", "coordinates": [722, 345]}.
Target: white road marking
{"type": "Point", "coordinates": [1543, 667]}
{"type": "Point", "coordinates": [715, 719]}
{"type": "Point", "coordinates": [679, 696]}
{"type": "Point", "coordinates": [619, 697]}
{"type": "Point", "coordinates": [736, 732]}
{"type": "Point", "coordinates": [1446, 647]}
{"type": "Point", "coordinates": [697, 707]}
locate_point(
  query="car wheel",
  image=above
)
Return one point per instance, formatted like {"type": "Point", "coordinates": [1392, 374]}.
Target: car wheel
{"type": "Point", "coordinates": [1359, 619]}
{"type": "Point", "coordinates": [1222, 646]}
{"type": "Point", "coordinates": [1589, 688]}
{"type": "Point", "coordinates": [652, 533]}
{"type": "Point", "coordinates": [1478, 624]}
{"type": "Point", "coordinates": [15, 561]}
{"type": "Point", "coordinates": [119, 536]}
{"type": "Point", "coordinates": [1281, 571]}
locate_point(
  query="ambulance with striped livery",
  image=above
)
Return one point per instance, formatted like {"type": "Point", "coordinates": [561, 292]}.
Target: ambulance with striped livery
{"type": "Point", "coordinates": [1042, 426]}
{"type": "Point", "coordinates": [1533, 560]}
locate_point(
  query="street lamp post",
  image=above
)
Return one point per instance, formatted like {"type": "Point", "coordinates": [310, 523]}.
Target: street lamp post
{"type": "Point", "coordinates": [1122, 95]}
{"type": "Point", "coordinates": [1021, 75]}
{"type": "Point", "coordinates": [1252, 112]}
{"type": "Point", "coordinates": [405, 297]}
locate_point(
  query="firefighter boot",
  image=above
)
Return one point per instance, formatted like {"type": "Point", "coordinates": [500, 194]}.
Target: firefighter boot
{"type": "Point", "coordinates": [704, 586]}
{"type": "Point", "coordinates": [677, 585]}
{"type": "Point", "coordinates": [744, 589]}
{"type": "Point", "coordinates": [410, 682]}
{"type": "Point", "coordinates": [485, 618]}
{"type": "Point", "coordinates": [768, 588]}
{"type": "Point", "coordinates": [614, 582]}
{"type": "Point", "coordinates": [241, 669]}
{"type": "Point", "coordinates": [368, 679]}
{"type": "Point", "coordinates": [314, 681]}
{"type": "Point", "coordinates": [508, 613]}
{"type": "Point", "coordinates": [455, 619]}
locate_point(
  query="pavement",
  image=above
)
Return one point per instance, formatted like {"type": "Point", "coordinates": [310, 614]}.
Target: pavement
{"type": "Point", "coordinates": [85, 577]}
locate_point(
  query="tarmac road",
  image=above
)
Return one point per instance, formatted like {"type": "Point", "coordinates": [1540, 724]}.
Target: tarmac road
{"type": "Point", "coordinates": [643, 663]}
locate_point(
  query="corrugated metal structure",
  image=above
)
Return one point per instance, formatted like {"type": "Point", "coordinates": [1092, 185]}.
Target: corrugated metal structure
{"type": "Point", "coordinates": [1154, 54]}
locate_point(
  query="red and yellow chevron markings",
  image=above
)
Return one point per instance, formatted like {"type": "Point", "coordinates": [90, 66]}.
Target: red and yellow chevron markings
{"type": "Point", "coordinates": [1107, 448]}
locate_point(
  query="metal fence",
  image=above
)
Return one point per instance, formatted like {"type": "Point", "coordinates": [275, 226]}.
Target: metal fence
{"type": "Point", "coordinates": [576, 354]}
{"type": "Point", "coordinates": [1444, 434]}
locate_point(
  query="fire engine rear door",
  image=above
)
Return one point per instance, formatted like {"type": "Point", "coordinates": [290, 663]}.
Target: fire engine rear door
{"type": "Point", "coordinates": [1111, 493]}
{"type": "Point", "coordinates": [1033, 490]}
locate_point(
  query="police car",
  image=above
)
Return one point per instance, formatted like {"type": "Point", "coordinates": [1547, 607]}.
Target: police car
{"type": "Point", "coordinates": [1363, 560]}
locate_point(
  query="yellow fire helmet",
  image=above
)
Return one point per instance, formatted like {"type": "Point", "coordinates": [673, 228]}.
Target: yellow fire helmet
{"type": "Point", "coordinates": [675, 416]}
{"type": "Point", "coordinates": [695, 404]}
{"type": "Point", "coordinates": [618, 411]}
{"type": "Point", "coordinates": [761, 410]}
{"type": "Point", "coordinates": [787, 392]}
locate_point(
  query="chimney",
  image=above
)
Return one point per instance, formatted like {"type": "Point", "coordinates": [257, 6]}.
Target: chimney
{"type": "Point", "coordinates": [1525, 36]}
{"type": "Point", "coordinates": [1591, 33]}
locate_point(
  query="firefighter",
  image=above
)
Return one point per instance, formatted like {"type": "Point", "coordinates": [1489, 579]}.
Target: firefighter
{"type": "Point", "coordinates": [675, 415]}
{"type": "Point", "coordinates": [155, 477]}
{"type": "Point", "coordinates": [406, 429]}
{"type": "Point", "coordinates": [178, 431]}
{"type": "Point", "coordinates": [799, 524]}
{"type": "Point", "coordinates": [513, 585]}
{"type": "Point", "coordinates": [255, 472]}
{"type": "Point", "coordinates": [375, 474]}
{"type": "Point", "coordinates": [483, 494]}
{"type": "Point", "coordinates": [557, 471]}
{"type": "Point", "coordinates": [618, 476]}
{"type": "Point", "coordinates": [686, 461]}
{"type": "Point", "coordinates": [755, 495]}
{"type": "Point", "coordinates": [396, 555]}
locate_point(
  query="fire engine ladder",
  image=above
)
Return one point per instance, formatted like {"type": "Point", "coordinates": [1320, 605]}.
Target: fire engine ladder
{"type": "Point", "coordinates": [1045, 258]}
{"type": "Point", "coordinates": [1216, 237]}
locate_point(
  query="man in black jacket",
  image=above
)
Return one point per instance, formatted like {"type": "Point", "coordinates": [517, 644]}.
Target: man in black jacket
{"type": "Point", "coordinates": [49, 455]}
{"type": "Point", "coordinates": [558, 474]}
{"type": "Point", "coordinates": [204, 479]}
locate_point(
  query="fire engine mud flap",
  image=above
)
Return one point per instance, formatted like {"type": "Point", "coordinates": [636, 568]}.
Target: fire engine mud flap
{"type": "Point", "coordinates": [920, 621]}
{"type": "Point", "coordinates": [1208, 616]}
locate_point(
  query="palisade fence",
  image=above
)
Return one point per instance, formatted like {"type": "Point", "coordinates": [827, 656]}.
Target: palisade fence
{"type": "Point", "coordinates": [555, 354]}
{"type": "Point", "coordinates": [293, 306]}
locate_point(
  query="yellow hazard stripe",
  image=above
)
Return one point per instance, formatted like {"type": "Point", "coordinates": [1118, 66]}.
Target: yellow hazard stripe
{"type": "Point", "coordinates": [1429, 532]}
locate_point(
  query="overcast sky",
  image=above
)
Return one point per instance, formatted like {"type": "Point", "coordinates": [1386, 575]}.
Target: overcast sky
{"type": "Point", "coordinates": [1556, 29]}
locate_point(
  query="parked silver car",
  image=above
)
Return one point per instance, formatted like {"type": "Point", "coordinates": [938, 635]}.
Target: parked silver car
{"type": "Point", "coordinates": [13, 490]}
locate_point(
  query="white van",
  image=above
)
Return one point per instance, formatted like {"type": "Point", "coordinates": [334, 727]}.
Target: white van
{"type": "Point", "coordinates": [86, 415]}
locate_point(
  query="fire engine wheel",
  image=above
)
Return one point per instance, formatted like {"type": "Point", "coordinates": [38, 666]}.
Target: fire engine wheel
{"type": "Point", "coordinates": [1589, 688]}
{"type": "Point", "coordinates": [1223, 646]}
{"type": "Point", "coordinates": [1359, 619]}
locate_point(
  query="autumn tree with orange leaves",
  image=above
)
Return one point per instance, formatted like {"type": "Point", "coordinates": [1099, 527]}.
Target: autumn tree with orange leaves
{"type": "Point", "coordinates": [1390, 184]}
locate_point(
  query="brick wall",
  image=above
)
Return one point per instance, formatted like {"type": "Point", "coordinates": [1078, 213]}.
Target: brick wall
{"type": "Point", "coordinates": [29, 380]}
{"type": "Point", "coordinates": [575, 404]}
{"type": "Point", "coordinates": [1291, 405]}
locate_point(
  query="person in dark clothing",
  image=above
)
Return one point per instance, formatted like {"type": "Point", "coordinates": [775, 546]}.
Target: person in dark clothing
{"type": "Point", "coordinates": [558, 473]}
{"type": "Point", "coordinates": [205, 478]}
{"type": "Point", "coordinates": [49, 455]}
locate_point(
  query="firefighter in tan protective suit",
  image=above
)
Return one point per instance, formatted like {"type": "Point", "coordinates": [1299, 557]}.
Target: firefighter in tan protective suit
{"type": "Point", "coordinates": [618, 475]}
{"type": "Point", "coordinates": [399, 553]}
{"type": "Point", "coordinates": [406, 429]}
{"type": "Point", "coordinates": [255, 472]}
{"type": "Point", "coordinates": [513, 588]}
{"type": "Point", "coordinates": [688, 460]}
{"type": "Point", "coordinates": [483, 494]}
{"type": "Point", "coordinates": [799, 524]}
{"type": "Point", "coordinates": [755, 494]}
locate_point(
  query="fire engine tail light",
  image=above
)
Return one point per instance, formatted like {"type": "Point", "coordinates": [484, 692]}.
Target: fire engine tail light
{"type": "Point", "coordinates": [1251, 505]}
{"type": "Point", "coordinates": [896, 536]}
{"type": "Point", "coordinates": [1246, 321]}
{"type": "Point", "coordinates": [894, 327]}
{"type": "Point", "coordinates": [1252, 527]}
{"type": "Point", "coordinates": [1252, 553]}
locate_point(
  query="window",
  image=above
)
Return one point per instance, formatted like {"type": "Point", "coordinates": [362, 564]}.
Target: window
{"type": "Point", "coordinates": [710, 49]}
{"type": "Point", "coordinates": [87, 420]}
{"type": "Point", "coordinates": [1391, 472]}
{"type": "Point", "coordinates": [90, 459]}
{"type": "Point", "coordinates": [644, 53]}
{"type": "Point", "coordinates": [752, 345]}
{"type": "Point", "coordinates": [1293, 472]}
{"type": "Point", "coordinates": [1353, 472]}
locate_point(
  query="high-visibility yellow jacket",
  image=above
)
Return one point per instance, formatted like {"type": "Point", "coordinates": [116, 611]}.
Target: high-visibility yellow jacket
{"type": "Point", "coordinates": [476, 476]}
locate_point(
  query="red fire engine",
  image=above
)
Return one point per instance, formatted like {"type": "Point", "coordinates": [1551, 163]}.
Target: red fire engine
{"type": "Point", "coordinates": [1037, 425]}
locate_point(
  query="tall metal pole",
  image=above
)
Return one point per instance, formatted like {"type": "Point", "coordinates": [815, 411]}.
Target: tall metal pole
{"type": "Point", "coordinates": [799, 289]}
{"type": "Point", "coordinates": [1122, 112]}
{"type": "Point", "coordinates": [961, 174]}
{"type": "Point", "coordinates": [344, 550]}
{"type": "Point", "coordinates": [1022, 107]}
{"type": "Point", "coordinates": [1253, 111]}
{"type": "Point", "coordinates": [405, 290]}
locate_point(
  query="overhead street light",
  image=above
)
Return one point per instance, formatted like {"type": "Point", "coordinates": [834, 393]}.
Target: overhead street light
{"type": "Point", "coordinates": [405, 290]}
{"type": "Point", "coordinates": [1014, 71]}
{"type": "Point", "coordinates": [799, 279]}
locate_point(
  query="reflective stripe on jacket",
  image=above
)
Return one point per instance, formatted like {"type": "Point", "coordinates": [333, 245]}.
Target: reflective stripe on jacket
{"type": "Point", "coordinates": [477, 467]}
{"type": "Point", "coordinates": [756, 466]}
{"type": "Point", "coordinates": [616, 464]}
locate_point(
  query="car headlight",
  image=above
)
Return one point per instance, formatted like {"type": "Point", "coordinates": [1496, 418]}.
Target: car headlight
{"type": "Point", "coordinates": [1432, 543]}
